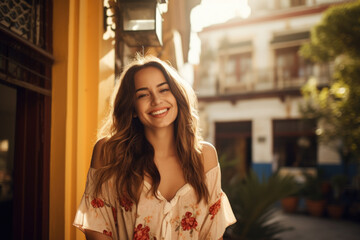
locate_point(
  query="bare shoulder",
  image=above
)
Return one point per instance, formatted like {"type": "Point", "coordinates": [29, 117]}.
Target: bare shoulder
{"type": "Point", "coordinates": [96, 161]}
{"type": "Point", "coordinates": [209, 156]}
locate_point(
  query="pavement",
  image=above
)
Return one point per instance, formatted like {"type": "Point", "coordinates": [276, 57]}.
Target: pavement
{"type": "Point", "coordinates": [307, 227]}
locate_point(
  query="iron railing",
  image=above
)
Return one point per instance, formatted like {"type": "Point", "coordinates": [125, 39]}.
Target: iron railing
{"type": "Point", "coordinates": [265, 80]}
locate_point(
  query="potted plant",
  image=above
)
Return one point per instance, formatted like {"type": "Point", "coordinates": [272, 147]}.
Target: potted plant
{"type": "Point", "coordinates": [336, 207]}
{"type": "Point", "coordinates": [290, 203]}
{"type": "Point", "coordinates": [314, 195]}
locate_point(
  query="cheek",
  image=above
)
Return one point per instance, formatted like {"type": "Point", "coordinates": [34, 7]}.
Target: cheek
{"type": "Point", "coordinates": [176, 107]}
{"type": "Point", "coordinates": [173, 99]}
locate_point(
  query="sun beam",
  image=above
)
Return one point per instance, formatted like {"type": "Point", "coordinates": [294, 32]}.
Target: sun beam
{"type": "Point", "coordinates": [211, 12]}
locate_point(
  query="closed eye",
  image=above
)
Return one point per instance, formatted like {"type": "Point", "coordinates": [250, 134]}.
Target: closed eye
{"type": "Point", "coordinates": [164, 90]}
{"type": "Point", "coordinates": [141, 96]}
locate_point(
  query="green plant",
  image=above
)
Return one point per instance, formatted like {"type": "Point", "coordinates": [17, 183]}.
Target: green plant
{"type": "Point", "coordinates": [290, 203]}
{"type": "Point", "coordinates": [253, 201]}
{"type": "Point", "coordinates": [338, 183]}
{"type": "Point", "coordinates": [336, 39]}
{"type": "Point", "coordinates": [313, 187]}
{"type": "Point", "coordinates": [229, 172]}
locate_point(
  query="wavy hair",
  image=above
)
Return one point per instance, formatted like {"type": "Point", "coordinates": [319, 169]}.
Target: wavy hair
{"type": "Point", "coordinates": [128, 155]}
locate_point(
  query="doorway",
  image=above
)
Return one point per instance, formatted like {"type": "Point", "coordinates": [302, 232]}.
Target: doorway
{"type": "Point", "coordinates": [7, 145]}
{"type": "Point", "coordinates": [234, 144]}
{"type": "Point", "coordinates": [25, 90]}
{"type": "Point", "coordinates": [295, 143]}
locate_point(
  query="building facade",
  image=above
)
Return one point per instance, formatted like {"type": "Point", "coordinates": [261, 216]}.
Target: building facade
{"type": "Point", "coordinates": [249, 85]}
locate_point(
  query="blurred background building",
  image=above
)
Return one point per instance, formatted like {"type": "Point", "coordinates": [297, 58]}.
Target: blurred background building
{"type": "Point", "coordinates": [248, 82]}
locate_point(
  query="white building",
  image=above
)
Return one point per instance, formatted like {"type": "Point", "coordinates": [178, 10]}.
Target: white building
{"type": "Point", "coordinates": [248, 83]}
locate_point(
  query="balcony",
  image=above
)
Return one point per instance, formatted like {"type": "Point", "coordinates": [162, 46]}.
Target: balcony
{"type": "Point", "coordinates": [263, 81]}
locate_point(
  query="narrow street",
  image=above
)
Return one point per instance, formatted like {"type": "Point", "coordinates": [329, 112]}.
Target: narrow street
{"type": "Point", "coordinates": [313, 228]}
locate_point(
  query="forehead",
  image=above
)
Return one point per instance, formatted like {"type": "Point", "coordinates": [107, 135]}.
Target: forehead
{"type": "Point", "coordinates": [149, 76]}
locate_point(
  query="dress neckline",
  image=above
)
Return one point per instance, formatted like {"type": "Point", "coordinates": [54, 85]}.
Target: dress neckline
{"type": "Point", "coordinates": [181, 191]}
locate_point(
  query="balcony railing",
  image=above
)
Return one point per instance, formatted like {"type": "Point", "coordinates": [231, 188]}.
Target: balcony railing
{"type": "Point", "coordinates": [265, 80]}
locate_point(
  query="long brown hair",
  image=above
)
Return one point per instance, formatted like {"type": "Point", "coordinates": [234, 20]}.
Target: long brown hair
{"type": "Point", "coordinates": [128, 155]}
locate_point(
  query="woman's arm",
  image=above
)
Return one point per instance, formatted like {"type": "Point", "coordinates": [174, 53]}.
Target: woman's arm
{"type": "Point", "coordinates": [209, 156]}
{"type": "Point", "coordinates": [92, 235]}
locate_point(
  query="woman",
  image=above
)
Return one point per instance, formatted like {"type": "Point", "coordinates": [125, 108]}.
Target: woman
{"type": "Point", "coordinates": [151, 177]}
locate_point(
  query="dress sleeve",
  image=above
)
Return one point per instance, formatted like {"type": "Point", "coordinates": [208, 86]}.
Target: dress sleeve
{"type": "Point", "coordinates": [219, 214]}
{"type": "Point", "coordinates": [96, 213]}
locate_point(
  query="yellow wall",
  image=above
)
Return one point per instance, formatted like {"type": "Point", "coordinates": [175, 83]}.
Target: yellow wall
{"type": "Point", "coordinates": [58, 113]}
{"type": "Point", "coordinates": [83, 80]}
{"type": "Point", "coordinates": [77, 49]}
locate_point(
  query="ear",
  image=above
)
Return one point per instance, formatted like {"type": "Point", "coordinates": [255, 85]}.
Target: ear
{"type": "Point", "coordinates": [134, 115]}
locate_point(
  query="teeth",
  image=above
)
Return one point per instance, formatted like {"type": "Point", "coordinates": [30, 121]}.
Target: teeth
{"type": "Point", "coordinates": [159, 112]}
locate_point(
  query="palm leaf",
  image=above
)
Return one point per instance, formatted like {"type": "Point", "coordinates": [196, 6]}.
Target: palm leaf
{"type": "Point", "coordinates": [253, 202]}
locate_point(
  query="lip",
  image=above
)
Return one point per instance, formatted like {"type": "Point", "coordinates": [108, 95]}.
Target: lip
{"type": "Point", "coordinates": [157, 110]}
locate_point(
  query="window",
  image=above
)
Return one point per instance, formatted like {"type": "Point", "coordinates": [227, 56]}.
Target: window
{"type": "Point", "coordinates": [290, 68]}
{"type": "Point", "coordinates": [238, 68]}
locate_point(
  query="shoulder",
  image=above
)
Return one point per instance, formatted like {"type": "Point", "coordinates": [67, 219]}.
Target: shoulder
{"type": "Point", "coordinates": [96, 161]}
{"type": "Point", "coordinates": [209, 156]}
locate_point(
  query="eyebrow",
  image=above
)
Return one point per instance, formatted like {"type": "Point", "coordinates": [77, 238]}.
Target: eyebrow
{"type": "Point", "coordinates": [159, 85]}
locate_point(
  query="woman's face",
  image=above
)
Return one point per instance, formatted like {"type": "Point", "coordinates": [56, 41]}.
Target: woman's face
{"type": "Point", "coordinates": [155, 105]}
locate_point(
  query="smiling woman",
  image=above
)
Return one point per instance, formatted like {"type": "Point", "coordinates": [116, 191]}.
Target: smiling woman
{"type": "Point", "coordinates": [151, 177]}
{"type": "Point", "coordinates": [155, 105]}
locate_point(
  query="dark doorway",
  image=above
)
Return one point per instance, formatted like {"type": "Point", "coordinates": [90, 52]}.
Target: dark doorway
{"type": "Point", "coordinates": [25, 90]}
{"type": "Point", "coordinates": [25, 152]}
{"type": "Point", "coordinates": [234, 144]}
{"type": "Point", "coordinates": [295, 143]}
{"type": "Point", "coordinates": [7, 144]}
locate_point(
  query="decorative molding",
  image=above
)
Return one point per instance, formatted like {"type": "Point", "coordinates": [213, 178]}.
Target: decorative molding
{"type": "Point", "coordinates": [24, 18]}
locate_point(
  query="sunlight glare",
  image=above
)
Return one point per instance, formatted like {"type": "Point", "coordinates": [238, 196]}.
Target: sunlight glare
{"type": "Point", "coordinates": [211, 12]}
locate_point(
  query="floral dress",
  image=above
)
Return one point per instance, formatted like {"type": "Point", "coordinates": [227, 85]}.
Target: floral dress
{"type": "Point", "coordinates": [156, 218]}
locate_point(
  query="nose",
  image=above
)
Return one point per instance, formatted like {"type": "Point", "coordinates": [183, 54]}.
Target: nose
{"type": "Point", "coordinates": [156, 99]}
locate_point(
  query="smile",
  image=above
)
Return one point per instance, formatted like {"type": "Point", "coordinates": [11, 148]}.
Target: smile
{"type": "Point", "coordinates": [158, 112]}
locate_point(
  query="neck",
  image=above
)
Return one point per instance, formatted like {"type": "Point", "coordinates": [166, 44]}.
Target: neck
{"type": "Point", "coordinates": [163, 141]}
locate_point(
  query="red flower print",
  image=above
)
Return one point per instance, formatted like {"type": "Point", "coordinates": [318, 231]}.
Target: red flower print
{"type": "Point", "coordinates": [188, 222]}
{"type": "Point", "coordinates": [126, 203]}
{"type": "Point", "coordinates": [97, 203]}
{"type": "Point", "coordinates": [215, 208]}
{"type": "Point", "coordinates": [107, 233]}
{"type": "Point", "coordinates": [114, 214]}
{"type": "Point", "coordinates": [141, 233]}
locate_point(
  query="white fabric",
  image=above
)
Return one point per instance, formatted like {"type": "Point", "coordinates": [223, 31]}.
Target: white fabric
{"type": "Point", "coordinates": [156, 218]}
